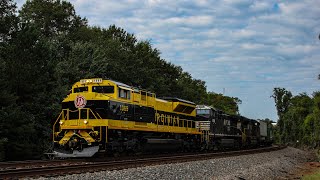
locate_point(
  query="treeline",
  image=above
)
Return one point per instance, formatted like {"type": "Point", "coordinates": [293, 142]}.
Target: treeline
{"type": "Point", "coordinates": [299, 118]}
{"type": "Point", "coordinates": [46, 47]}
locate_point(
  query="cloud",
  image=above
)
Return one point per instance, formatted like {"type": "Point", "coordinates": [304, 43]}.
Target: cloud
{"type": "Point", "coordinates": [260, 6]}
{"type": "Point", "coordinates": [189, 21]}
{"type": "Point", "coordinates": [245, 46]}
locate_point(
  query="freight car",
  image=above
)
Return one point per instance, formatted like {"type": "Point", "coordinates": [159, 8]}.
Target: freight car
{"type": "Point", "coordinates": [108, 116]}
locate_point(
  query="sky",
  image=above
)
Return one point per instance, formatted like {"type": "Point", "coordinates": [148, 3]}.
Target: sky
{"type": "Point", "coordinates": [242, 48]}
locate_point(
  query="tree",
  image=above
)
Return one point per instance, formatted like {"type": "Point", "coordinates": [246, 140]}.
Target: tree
{"type": "Point", "coordinates": [8, 22]}
{"type": "Point", "coordinates": [300, 108]}
{"type": "Point", "coordinates": [224, 103]}
{"type": "Point", "coordinates": [8, 19]}
{"type": "Point", "coordinates": [312, 123]}
{"type": "Point", "coordinates": [299, 118]}
{"type": "Point", "coordinates": [26, 62]}
{"type": "Point", "coordinates": [282, 101]}
{"type": "Point", "coordinates": [28, 58]}
{"type": "Point", "coordinates": [52, 17]}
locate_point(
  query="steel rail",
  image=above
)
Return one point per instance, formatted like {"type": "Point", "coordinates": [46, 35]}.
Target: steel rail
{"type": "Point", "coordinates": [30, 163]}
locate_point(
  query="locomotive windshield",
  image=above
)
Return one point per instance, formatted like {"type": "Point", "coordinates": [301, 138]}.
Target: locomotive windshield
{"type": "Point", "coordinates": [80, 89]}
{"type": "Point", "coordinates": [203, 111]}
{"type": "Point", "coordinates": [103, 89]}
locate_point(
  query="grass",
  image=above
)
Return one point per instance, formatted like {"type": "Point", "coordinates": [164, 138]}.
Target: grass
{"type": "Point", "coordinates": [314, 176]}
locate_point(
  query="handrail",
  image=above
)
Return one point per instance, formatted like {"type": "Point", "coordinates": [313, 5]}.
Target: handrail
{"type": "Point", "coordinates": [65, 115]}
{"type": "Point", "coordinates": [99, 115]}
{"type": "Point", "coordinates": [54, 125]}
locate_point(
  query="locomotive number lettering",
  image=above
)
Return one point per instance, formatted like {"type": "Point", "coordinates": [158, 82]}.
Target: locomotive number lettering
{"type": "Point", "coordinates": [167, 119]}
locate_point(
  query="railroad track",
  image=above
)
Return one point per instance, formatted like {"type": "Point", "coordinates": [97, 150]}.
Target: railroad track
{"type": "Point", "coordinates": [36, 163]}
{"type": "Point", "coordinates": [49, 171]}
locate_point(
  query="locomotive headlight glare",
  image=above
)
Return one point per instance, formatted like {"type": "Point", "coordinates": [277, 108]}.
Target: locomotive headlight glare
{"type": "Point", "coordinates": [85, 121]}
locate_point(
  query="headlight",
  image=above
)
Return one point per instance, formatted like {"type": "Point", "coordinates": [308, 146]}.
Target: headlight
{"type": "Point", "coordinates": [61, 122]}
{"type": "Point", "coordinates": [85, 121]}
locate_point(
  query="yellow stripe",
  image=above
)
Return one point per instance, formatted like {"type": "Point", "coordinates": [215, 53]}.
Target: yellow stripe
{"type": "Point", "coordinates": [127, 125]}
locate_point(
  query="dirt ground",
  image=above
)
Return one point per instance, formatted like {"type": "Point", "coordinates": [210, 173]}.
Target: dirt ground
{"type": "Point", "coordinates": [305, 168]}
{"type": "Point", "coordinates": [302, 170]}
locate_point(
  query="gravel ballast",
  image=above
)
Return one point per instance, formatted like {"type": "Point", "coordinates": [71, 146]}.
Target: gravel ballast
{"type": "Point", "coordinates": [269, 165]}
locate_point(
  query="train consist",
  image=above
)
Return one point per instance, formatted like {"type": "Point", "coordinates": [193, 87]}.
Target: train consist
{"type": "Point", "coordinates": [112, 117]}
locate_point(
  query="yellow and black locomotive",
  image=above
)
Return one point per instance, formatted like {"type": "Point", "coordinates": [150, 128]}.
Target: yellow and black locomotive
{"type": "Point", "coordinates": [105, 115]}
{"type": "Point", "coordinates": [112, 117]}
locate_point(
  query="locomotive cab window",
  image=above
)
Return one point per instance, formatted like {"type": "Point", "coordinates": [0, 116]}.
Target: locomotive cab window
{"type": "Point", "coordinates": [123, 93]}
{"type": "Point", "coordinates": [203, 111]}
{"type": "Point", "coordinates": [80, 89]}
{"type": "Point", "coordinates": [103, 89]}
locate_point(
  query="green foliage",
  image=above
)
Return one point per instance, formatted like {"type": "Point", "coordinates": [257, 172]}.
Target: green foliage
{"type": "Point", "coordinates": [282, 100]}
{"type": "Point", "coordinates": [47, 47]}
{"type": "Point", "coordinates": [224, 103]}
{"type": "Point", "coordinates": [51, 17]}
{"type": "Point", "coordinates": [8, 19]}
{"type": "Point", "coordinates": [299, 118]}
{"type": "Point", "coordinates": [276, 134]}
{"type": "Point", "coordinates": [18, 133]}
